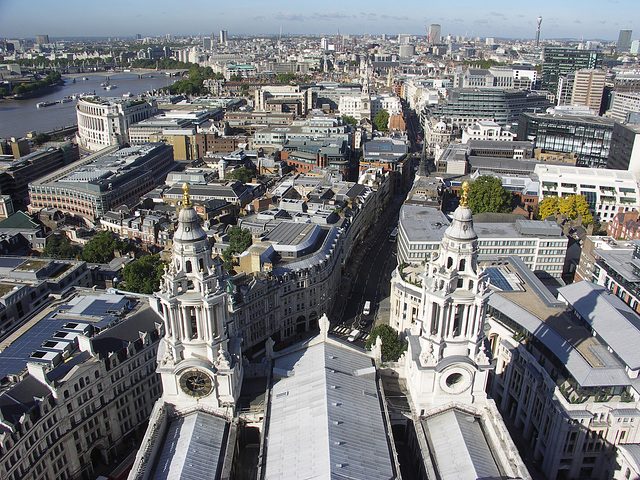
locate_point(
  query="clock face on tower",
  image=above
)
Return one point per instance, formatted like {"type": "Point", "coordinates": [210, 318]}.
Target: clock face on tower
{"type": "Point", "coordinates": [196, 383]}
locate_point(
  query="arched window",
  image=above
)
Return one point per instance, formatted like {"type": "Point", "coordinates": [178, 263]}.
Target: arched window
{"type": "Point", "coordinates": [201, 263]}
{"type": "Point", "coordinates": [462, 265]}
{"type": "Point", "coordinates": [188, 266]}
{"type": "Point", "coordinates": [449, 262]}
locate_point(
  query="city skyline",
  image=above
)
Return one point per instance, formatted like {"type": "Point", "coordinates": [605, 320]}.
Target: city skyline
{"type": "Point", "coordinates": [590, 19]}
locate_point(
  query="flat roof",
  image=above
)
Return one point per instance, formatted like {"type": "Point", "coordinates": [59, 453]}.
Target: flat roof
{"type": "Point", "coordinates": [423, 224]}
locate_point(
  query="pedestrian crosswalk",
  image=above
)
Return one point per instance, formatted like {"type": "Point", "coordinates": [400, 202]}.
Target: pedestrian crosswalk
{"type": "Point", "coordinates": [344, 331]}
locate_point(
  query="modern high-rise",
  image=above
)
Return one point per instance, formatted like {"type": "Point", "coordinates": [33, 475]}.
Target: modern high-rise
{"type": "Point", "coordinates": [434, 34]}
{"type": "Point", "coordinates": [624, 41]}
{"type": "Point", "coordinates": [223, 36]}
{"type": "Point", "coordinates": [42, 39]}
{"type": "Point", "coordinates": [562, 61]}
{"type": "Point", "coordinates": [622, 104]}
{"type": "Point", "coordinates": [588, 87]}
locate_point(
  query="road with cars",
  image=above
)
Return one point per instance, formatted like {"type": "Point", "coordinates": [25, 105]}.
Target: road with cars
{"type": "Point", "coordinates": [367, 277]}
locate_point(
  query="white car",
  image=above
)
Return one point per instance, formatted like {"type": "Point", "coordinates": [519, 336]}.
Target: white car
{"type": "Point", "coordinates": [353, 336]}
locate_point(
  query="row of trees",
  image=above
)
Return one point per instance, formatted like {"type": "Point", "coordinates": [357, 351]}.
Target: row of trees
{"type": "Point", "coordinates": [52, 79]}
{"type": "Point", "coordinates": [486, 194]}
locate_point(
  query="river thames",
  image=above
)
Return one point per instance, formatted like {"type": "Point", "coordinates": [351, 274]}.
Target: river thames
{"type": "Point", "coordinates": [18, 117]}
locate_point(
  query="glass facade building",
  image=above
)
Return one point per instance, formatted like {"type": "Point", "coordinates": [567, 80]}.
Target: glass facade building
{"type": "Point", "coordinates": [589, 137]}
{"type": "Point", "coordinates": [563, 61]}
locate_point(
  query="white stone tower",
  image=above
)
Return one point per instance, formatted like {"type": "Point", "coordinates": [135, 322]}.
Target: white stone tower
{"type": "Point", "coordinates": [446, 361]}
{"type": "Point", "coordinates": [199, 359]}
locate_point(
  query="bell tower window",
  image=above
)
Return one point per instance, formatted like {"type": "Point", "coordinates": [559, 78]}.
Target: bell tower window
{"type": "Point", "coordinates": [201, 263]}
{"type": "Point", "coordinates": [188, 267]}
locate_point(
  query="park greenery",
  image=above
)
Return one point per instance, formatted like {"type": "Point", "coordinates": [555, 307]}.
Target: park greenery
{"type": "Point", "coordinates": [59, 246]}
{"type": "Point", "coordinates": [101, 248]}
{"type": "Point", "coordinates": [392, 345]}
{"type": "Point", "coordinates": [239, 240]}
{"type": "Point", "coordinates": [24, 88]}
{"type": "Point", "coordinates": [243, 174]}
{"type": "Point", "coordinates": [381, 121]}
{"type": "Point", "coordinates": [143, 275]}
{"type": "Point", "coordinates": [193, 84]}
{"type": "Point", "coordinates": [486, 194]}
{"type": "Point", "coordinates": [570, 207]}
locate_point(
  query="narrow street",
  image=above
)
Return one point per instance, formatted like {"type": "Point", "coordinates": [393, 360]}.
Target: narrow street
{"type": "Point", "coordinates": [367, 277]}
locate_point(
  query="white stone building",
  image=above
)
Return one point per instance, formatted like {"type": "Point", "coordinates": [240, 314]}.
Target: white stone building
{"type": "Point", "coordinates": [607, 191]}
{"type": "Point", "coordinates": [487, 130]}
{"type": "Point", "coordinates": [103, 122]}
{"type": "Point", "coordinates": [78, 385]}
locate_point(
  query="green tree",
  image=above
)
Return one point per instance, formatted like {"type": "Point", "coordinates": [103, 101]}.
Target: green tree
{"type": "Point", "coordinates": [41, 138]}
{"type": "Point", "coordinates": [487, 194]}
{"type": "Point", "coordinates": [235, 78]}
{"type": "Point", "coordinates": [286, 77]}
{"type": "Point", "coordinates": [59, 246]}
{"type": "Point", "coordinates": [244, 174]}
{"type": "Point", "coordinates": [392, 346]}
{"type": "Point", "coordinates": [349, 120]}
{"type": "Point", "coordinates": [143, 275]}
{"type": "Point", "coordinates": [239, 240]}
{"type": "Point", "coordinates": [548, 207]}
{"type": "Point", "coordinates": [381, 121]}
{"type": "Point", "coordinates": [101, 248]}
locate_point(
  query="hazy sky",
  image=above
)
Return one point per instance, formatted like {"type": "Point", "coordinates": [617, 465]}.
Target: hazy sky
{"type": "Point", "coordinates": [497, 18]}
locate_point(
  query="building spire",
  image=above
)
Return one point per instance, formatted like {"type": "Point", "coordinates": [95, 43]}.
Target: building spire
{"type": "Point", "coordinates": [464, 196]}
{"type": "Point", "coordinates": [186, 202]}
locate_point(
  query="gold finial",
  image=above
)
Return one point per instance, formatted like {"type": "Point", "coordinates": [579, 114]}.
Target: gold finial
{"type": "Point", "coordinates": [186, 202]}
{"type": "Point", "coordinates": [464, 196]}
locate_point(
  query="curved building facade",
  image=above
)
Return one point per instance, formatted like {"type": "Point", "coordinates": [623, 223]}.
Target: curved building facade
{"type": "Point", "coordinates": [103, 122]}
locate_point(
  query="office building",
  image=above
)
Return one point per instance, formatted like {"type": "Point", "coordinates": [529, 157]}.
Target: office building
{"type": "Point", "coordinates": [103, 122]}
{"type": "Point", "coordinates": [100, 182]}
{"type": "Point", "coordinates": [589, 137]}
{"type": "Point", "coordinates": [15, 175]}
{"type": "Point", "coordinates": [565, 370]}
{"type": "Point", "coordinates": [607, 191]}
{"type": "Point", "coordinates": [560, 61]}
{"type": "Point", "coordinates": [588, 88]}
{"type": "Point", "coordinates": [78, 385]}
{"type": "Point", "coordinates": [42, 39]}
{"type": "Point", "coordinates": [625, 148]}
{"type": "Point", "coordinates": [622, 104]}
{"type": "Point", "coordinates": [464, 107]}
{"type": "Point", "coordinates": [519, 77]}
{"type": "Point", "coordinates": [434, 34]}
{"type": "Point", "coordinates": [540, 245]}
{"type": "Point", "coordinates": [624, 41]}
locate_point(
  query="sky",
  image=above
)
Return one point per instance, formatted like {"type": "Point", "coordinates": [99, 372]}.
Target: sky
{"type": "Point", "coordinates": [588, 19]}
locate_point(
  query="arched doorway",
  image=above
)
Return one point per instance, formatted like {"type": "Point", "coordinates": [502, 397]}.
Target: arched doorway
{"type": "Point", "coordinates": [313, 321]}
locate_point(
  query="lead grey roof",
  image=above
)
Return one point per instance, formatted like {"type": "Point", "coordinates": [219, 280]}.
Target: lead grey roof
{"type": "Point", "coordinates": [613, 320]}
{"type": "Point", "coordinates": [459, 447]}
{"type": "Point", "coordinates": [193, 448]}
{"type": "Point", "coordinates": [326, 419]}
{"type": "Point", "coordinates": [611, 374]}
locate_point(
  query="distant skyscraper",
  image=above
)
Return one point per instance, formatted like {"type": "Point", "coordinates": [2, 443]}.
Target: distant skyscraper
{"type": "Point", "coordinates": [434, 34]}
{"type": "Point", "coordinates": [223, 36]}
{"type": "Point", "coordinates": [44, 39]}
{"type": "Point", "coordinates": [624, 40]}
{"type": "Point", "coordinates": [538, 31]}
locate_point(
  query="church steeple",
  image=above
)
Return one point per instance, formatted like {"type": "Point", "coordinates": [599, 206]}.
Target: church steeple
{"type": "Point", "coordinates": [449, 345]}
{"type": "Point", "coordinates": [193, 304]}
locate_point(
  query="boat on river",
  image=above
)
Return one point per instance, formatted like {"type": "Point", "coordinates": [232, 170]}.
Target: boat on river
{"type": "Point", "coordinates": [44, 104]}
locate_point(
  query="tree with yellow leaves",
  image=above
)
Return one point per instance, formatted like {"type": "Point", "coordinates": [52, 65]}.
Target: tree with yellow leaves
{"type": "Point", "coordinates": [572, 207]}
